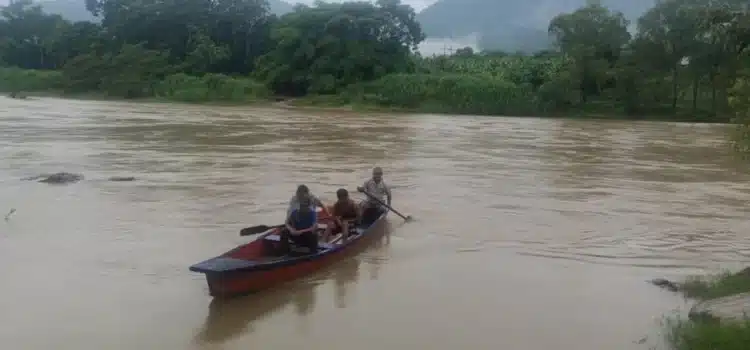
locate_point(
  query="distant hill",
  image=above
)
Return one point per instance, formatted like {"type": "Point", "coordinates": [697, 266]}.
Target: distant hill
{"type": "Point", "coordinates": [75, 10]}
{"type": "Point", "coordinates": [508, 25]}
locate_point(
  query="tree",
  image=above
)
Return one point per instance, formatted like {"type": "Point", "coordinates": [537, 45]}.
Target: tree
{"type": "Point", "coordinates": [593, 37]}
{"type": "Point", "coordinates": [323, 48]}
{"type": "Point", "coordinates": [230, 32]}
{"type": "Point", "coordinates": [30, 35]}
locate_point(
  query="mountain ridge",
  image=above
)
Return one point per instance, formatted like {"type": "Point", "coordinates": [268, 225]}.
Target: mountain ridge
{"type": "Point", "coordinates": [509, 25]}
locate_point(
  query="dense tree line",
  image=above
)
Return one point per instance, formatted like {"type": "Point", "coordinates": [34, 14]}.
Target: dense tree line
{"type": "Point", "coordinates": [139, 44]}
{"type": "Point", "coordinates": [687, 59]}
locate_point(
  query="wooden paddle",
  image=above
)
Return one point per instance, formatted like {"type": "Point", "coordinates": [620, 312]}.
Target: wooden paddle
{"type": "Point", "coordinates": [406, 218]}
{"type": "Point", "coordinates": [254, 230]}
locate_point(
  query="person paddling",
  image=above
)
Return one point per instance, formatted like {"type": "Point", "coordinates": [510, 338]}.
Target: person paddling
{"type": "Point", "coordinates": [376, 187]}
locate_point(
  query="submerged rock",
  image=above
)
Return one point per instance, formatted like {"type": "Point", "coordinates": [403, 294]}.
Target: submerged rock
{"type": "Point", "coordinates": [122, 178]}
{"type": "Point", "coordinates": [62, 178]}
{"type": "Point", "coordinates": [666, 284]}
{"type": "Point", "coordinates": [57, 178]}
{"type": "Point", "coordinates": [66, 178]}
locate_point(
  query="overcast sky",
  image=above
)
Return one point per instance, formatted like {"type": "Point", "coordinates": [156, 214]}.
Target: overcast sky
{"type": "Point", "coordinates": [417, 4]}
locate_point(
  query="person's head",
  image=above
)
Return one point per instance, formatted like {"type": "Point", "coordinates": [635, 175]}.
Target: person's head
{"type": "Point", "coordinates": [377, 174]}
{"type": "Point", "coordinates": [302, 192]}
{"type": "Point", "coordinates": [342, 194]}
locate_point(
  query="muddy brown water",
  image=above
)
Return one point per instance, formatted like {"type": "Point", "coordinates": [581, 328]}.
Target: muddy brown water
{"type": "Point", "coordinates": [529, 233]}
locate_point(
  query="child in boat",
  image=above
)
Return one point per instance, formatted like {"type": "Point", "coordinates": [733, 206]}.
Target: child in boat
{"type": "Point", "coordinates": [301, 226]}
{"type": "Point", "coordinates": [346, 212]}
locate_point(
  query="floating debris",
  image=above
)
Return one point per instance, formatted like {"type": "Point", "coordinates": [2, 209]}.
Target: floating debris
{"type": "Point", "coordinates": [7, 216]}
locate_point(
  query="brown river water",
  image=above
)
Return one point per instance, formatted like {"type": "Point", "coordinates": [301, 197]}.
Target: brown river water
{"type": "Point", "coordinates": [529, 233]}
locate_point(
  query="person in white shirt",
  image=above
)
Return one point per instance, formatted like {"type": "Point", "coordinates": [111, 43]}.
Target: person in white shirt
{"type": "Point", "coordinates": [376, 187]}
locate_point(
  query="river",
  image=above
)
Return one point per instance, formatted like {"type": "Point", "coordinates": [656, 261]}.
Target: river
{"type": "Point", "coordinates": [529, 233]}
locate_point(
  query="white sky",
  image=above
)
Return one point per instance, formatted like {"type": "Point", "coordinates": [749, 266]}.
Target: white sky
{"type": "Point", "coordinates": [417, 4]}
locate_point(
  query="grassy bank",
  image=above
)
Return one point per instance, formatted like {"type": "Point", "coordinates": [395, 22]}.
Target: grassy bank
{"type": "Point", "coordinates": [706, 334]}
{"type": "Point", "coordinates": [452, 90]}
{"type": "Point", "coordinates": [210, 88]}
{"type": "Point", "coordinates": [489, 94]}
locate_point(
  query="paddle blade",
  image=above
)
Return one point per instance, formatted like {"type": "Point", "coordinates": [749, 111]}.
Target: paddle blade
{"type": "Point", "coordinates": [249, 231]}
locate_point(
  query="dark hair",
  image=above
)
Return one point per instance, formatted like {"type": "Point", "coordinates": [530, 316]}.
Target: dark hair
{"type": "Point", "coordinates": [342, 193]}
{"type": "Point", "coordinates": [302, 189]}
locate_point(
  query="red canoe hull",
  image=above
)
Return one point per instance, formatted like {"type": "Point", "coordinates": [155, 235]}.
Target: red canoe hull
{"type": "Point", "coordinates": [249, 273]}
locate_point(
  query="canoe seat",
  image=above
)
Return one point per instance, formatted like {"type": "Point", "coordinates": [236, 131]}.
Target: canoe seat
{"type": "Point", "coordinates": [222, 264]}
{"type": "Point", "coordinates": [321, 245]}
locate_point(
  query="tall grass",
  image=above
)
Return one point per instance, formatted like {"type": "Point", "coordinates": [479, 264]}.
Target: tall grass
{"type": "Point", "coordinates": [703, 335]}
{"type": "Point", "coordinates": [706, 333]}
{"type": "Point", "coordinates": [447, 93]}
{"type": "Point", "coordinates": [722, 285]}
{"type": "Point", "coordinates": [25, 80]}
{"type": "Point", "coordinates": [177, 87]}
{"type": "Point", "coordinates": [210, 87]}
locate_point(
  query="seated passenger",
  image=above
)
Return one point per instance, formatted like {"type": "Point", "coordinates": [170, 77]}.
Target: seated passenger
{"type": "Point", "coordinates": [301, 226]}
{"type": "Point", "coordinates": [303, 192]}
{"type": "Point", "coordinates": [346, 213]}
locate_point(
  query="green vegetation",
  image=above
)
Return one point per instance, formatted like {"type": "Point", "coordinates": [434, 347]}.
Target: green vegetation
{"type": "Point", "coordinates": [29, 80]}
{"type": "Point", "coordinates": [687, 60]}
{"type": "Point", "coordinates": [690, 335]}
{"type": "Point", "coordinates": [725, 284]}
{"type": "Point", "coordinates": [707, 334]}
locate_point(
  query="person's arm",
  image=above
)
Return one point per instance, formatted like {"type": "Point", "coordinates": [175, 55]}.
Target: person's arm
{"type": "Point", "coordinates": [289, 225]}
{"type": "Point", "coordinates": [290, 207]}
{"type": "Point", "coordinates": [363, 187]}
{"type": "Point", "coordinates": [388, 194]}
{"type": "Point", "coordinates": [358, 210]}
{"type": "Point", "coordinates": [335, 215]}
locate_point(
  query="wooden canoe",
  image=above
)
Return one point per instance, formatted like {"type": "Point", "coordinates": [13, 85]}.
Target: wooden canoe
{"type": "Point", "coordinates": [255, 266]}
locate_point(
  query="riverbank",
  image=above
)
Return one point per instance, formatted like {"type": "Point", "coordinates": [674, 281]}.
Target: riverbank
{"type": "Point", "coordinates": [453, 94]}
{"type": "Point", "coordinates": [704, 330]}
{"type": "Point", "coordinates": [598, 112]}
{"type": "Point", "coordinates": [320, 104]}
